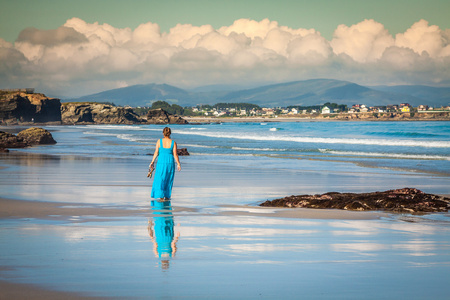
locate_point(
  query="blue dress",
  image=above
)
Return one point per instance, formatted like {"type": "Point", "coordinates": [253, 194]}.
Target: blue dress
{"type": "Point", "coordinates": [164, 223]}
{"type": "Point", "coordinates": [164, 172]}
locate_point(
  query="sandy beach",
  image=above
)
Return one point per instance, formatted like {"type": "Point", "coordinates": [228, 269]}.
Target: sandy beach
{"type": "Point", "coordinates": [82, 226]}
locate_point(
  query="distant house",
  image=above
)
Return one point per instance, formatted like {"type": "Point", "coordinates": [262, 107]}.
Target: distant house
{"type": "Point", "coordinates": [422, 107]}
{"type": "Point", "coordinates": [293, 111]}
{"type": "Point", "coordinates": [392, 108]}
{"type": "Point", "coordinates": [326, 110]}
{"type": "Point", "coordinates": [380, 109]}
{"type": "Point", "coordinates": [364, 109]}
{"type": "Point", "coordinates": [405, 109]}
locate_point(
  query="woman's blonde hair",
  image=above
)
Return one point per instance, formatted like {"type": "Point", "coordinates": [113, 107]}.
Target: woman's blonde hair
{"type": "Point", "coordinates": [167, 131]}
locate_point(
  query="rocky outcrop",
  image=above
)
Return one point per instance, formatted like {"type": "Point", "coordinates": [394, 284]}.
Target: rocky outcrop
{"type": "Point", "coordinates": [8, 140]}
{"type": "Point", "coordinates": [160, 116]}
{"type": "Point", "coordinates": [407, 200]}
{"type": "Point", "coordinates": [36, 136]}
{"type": "Point", "coordinates": [97, 113]}
{"type": "Point", "coordinates": [182, 152]}
{"type": "Point", "coordinates": [25, 138]}
{"type": "Point", "coordinates": [19, 107]}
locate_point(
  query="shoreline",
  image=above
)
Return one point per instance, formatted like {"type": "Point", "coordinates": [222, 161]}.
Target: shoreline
{"type": "Point", "coordinates": [192, 120]}
{"type": "Point", "coordinates": [196, 119]}
{"type": "Point", "coordinates": [14, 209]}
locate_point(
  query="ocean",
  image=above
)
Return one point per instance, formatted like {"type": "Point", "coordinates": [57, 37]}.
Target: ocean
{"type": "Point", "coordinates": [78, 216]}
{"type": "Point", "coordinates": [405, 146]}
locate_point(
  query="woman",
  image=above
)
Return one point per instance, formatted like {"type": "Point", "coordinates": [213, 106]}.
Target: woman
{"type": "Point", "coordinates": [166, 152]}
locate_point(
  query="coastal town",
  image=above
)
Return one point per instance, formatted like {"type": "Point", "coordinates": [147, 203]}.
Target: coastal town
{"type": "Point", "coordinates": [328, 108]}
{"type": "Point", "coordinates": [25, 106]}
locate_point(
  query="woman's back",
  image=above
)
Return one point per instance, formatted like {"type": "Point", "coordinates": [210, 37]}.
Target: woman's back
{"type": "Point", "coordinates": [166, 153]}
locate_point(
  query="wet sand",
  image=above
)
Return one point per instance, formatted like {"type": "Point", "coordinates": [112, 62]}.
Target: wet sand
{"type": "Point", "coordinates": [22, 209]}
{"type": "Point", "coordinates": [11, 291]}
{"type": "Point", "coordinates": [77, 227]}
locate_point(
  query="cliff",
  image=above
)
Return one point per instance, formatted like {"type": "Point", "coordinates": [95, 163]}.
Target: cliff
{"type": "Point", "coordinates": [17, 107]}
{"type": "Point", "coordinates": [82, 113]}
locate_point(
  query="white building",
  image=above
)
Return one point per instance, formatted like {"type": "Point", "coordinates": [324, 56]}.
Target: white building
{"type": "Point", "coordinates": [326, 110]}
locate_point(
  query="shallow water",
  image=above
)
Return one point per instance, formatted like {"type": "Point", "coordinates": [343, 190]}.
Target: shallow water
{"type": "Point", "coordinates": [215, 243]}
{"type": "Point", "coordinates": [229, 257]}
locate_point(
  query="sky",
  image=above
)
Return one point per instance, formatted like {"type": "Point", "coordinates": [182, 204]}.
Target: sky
{"type": "Point", "coordinates": [74, 48]}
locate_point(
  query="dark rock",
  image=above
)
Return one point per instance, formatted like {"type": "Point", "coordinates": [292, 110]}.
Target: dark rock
{"type": "Point", "coordinates": [82, 113]}
{"type": "Point", "coordinates": [401, 200]}
{"type": "Point", "coordinates": [160, 116]}
{"type": "Point", "coordinates": [18, 107]}
{"type": "Point", "coordinates": [157, 116]}
{"type": "Point", "coordinates": [182, 152]}
{"type": "Point", "coordinates": [36, 136]}
{"type": "Point", "coordinates": [8, 140]}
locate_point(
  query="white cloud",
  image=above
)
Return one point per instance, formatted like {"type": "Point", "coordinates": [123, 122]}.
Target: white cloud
{"type": "Point", "coordinates": [423, 38]}
{"type": "Point", "coordinates": [67, 60]}
{"type": "Point", "coordinates": [364, 42]}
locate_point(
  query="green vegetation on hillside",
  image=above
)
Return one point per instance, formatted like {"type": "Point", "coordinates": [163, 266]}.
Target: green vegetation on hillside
{"type": "Point", "coordinates": [173, 109]}
{"type": "Point", "coordinates": [246, 106]}
{"type": "Point", "coordinates": [341, 107]}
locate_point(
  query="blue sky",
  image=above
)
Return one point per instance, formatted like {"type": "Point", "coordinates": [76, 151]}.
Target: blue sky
{"type": "Point", "coordinates": [71, 48]}
{"type": "Point", "coordinates": [323, 15]}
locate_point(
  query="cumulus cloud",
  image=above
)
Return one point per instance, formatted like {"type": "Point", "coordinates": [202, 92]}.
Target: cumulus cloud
{"type": "Point", "coordinates": [80, 58]}
{"type": "Point", "coordinates": [61, 35]}
{"type": "Point", "coordinates": [424, 38]}
{"type": "Point", "coordinates": [363, 42]}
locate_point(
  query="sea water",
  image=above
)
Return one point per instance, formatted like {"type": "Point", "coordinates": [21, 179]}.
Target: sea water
{"type": "Point", "coordinates": [227, 248]}
{"type": "Point", "coordinates": [409, 146]}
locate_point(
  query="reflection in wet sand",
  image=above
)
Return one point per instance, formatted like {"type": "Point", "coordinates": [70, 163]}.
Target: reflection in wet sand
{"type": "Point", "coordinates": [161, 232]}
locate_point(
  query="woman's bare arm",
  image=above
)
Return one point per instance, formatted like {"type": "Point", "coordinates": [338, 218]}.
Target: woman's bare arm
{"type": "Point", "coordinates": [155, 155]}
{"type": "Point", "coordinates": [175, 155]}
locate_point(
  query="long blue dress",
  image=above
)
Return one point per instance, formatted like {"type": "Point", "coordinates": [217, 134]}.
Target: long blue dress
{"type": "Point", "coordinates": [164, 172]}
{"type": "Point", "coordinates": [163, 229]}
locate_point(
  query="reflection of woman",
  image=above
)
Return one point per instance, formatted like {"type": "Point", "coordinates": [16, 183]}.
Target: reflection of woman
{"type": "Point", "coordinates": [162, 234]}
{"type": "Point", "coordinates": [166, 153]}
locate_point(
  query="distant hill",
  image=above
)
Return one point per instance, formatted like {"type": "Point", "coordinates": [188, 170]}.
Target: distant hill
{"type": "Point", "coordinates": [139, 95]}
{"type": "Point", "coordinates": [307, 92]}
{"type": "Point", "coordinates": [439, 95]}
{"type": "Point", "coordinates": [313, 92]}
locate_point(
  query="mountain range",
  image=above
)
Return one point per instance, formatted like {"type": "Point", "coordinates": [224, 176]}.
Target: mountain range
{"type": "Point", "coordinates": [304, 93]}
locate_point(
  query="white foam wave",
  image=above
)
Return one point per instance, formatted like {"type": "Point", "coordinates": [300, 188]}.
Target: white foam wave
{"type": "Point", "coordinates": [219, 154]}
{"type": "Point", "coordinates": [99, 133]}
{"type": "Point", "coordinates": [257, 149]}
{"type": "Point", "coordinates": [198, 146]}
{"type": "Point", "coordinates": [319, 140]}
{"type": "Point", "coordinates": [390, 155]}
{"type": "Point", "coordinates": [115, 127]}
{"type": "Point", "coordinates": [132, 138]}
